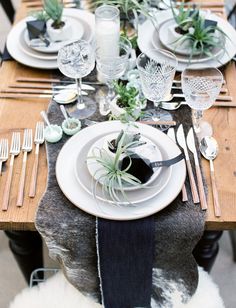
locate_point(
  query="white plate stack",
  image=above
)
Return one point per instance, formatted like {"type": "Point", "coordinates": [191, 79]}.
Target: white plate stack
{"type": "Point", "coordinates": [151, 37]}
{"type": "Point", "coordinates": [24, 51]}
{"type": "Point", "coordinates": [75, 179]}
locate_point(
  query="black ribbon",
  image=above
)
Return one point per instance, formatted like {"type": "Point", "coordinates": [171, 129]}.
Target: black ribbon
{"type": "Point", "coordinates": [168, 162]}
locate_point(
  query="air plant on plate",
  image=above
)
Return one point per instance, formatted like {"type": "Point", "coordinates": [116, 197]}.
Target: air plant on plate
{"type": "Point", "coordinates": [112, 174]}
{"type": "Point", "coordinates": [201, 35]}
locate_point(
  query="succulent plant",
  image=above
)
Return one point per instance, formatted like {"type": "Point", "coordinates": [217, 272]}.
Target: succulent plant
{"type": "Point", "coordinates": [54, 9]}
{"type": "Point", "coordinates": [129, 141]}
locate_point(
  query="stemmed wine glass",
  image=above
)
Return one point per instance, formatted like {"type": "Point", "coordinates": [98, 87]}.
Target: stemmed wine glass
{"type": "Point", "coordinates": [112, 68]}
{"type": "Point", "coordinates": [156, 75]}
{"type": "Point", "coordinates": [200, 88]}
{"type": "Point", "coordinates": [77, 60]}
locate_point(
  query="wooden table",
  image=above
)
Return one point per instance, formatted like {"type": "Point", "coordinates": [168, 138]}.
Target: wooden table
{"type": "Point", "coordinates": [17, 114]}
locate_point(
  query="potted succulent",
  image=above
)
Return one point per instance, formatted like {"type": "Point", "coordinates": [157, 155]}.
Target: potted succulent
{"type": "Point", "coordinates": [130, 140]}
{"type": "Point", "coordinates": [58, 28]}
{"type": "Point", "coordinates": [127, 102]}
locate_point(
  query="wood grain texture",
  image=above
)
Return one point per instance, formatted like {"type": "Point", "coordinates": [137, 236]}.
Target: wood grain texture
{"type": "Point", "coordinates": [25, 114]}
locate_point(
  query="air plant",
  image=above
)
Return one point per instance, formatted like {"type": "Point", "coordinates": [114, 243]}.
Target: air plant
{"type": "Point", "coordinates": [112, 177]}
{"type": "Point", "coordinates": [202, 39]}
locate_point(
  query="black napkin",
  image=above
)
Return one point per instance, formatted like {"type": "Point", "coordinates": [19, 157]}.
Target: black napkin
{"type": "Point", "coordinates": [6, 56]}
{"type": "Point", "coordinates": [126, 252]}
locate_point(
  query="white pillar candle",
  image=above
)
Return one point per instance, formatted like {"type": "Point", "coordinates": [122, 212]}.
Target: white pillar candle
{"type": "Point", "coordinates": [107, 31]}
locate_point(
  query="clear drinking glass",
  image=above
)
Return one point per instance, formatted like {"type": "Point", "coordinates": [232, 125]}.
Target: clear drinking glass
{"type": "Point", "coordinates": [113, 67]}
{"type": "Point", "coordinates": [201, 88]}
{"type": "Point", "coordinates": [156, 75]}
{"type": "Point", "coordinates": [77, 60]}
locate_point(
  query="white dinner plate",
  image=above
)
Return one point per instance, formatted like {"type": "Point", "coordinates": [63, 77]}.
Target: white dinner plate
{"type": "Point", "coordinates": [169, 43]}
{"type": "Point", "coordinates": [17, 50]}
{"type": "Point", "coordinates": [96, 171]}
{"type": "Point", "coordinates": [69, 185]}
{"type": "Point", "coordinates": [145, 35]}
{"type": "Point", "coordinates": [140, 195]}
{"type": "Point", "coordinates": [76, 33]}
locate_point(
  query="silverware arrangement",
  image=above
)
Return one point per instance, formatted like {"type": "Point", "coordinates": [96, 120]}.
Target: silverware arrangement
{"type": "Point", "coordinates": [15, 150]}
{"type": "Point", "coordinates": [209, 149]}
{"type": "Point", "coordinates": [182, 143]}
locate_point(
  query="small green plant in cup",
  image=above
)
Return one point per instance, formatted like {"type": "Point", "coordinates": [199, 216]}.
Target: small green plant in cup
{"type": "Point", "coordinates": [54, 9]}
{"type": "Point", "coordinates": [128, 102]}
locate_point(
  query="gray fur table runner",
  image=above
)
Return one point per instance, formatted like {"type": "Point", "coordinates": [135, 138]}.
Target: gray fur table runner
{"type": "Point", "coordinates": [70, 235]}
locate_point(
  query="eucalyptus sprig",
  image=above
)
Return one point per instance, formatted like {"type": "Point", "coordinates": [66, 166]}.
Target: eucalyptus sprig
{"type": "Point", "coordinates": [112, 177]}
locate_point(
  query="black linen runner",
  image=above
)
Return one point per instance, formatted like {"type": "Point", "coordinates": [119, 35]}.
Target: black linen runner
{"type": "Point", "coordinates": [126, 251]}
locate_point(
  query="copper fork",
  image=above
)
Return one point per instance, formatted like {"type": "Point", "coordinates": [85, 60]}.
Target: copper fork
{"type": "Point", "coordinates": [38, 139]}
{"type": "Point", "coordinates": [3, 152]}
{"type": "Point", "coordinates": [26, 148]}
{"type": "Point", "coordinates": [14, 151]}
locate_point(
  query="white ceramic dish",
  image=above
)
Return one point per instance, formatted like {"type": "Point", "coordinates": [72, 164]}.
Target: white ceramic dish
{"type": "Point", "coordinates": [18, 53]}
{"type": "Point", "coordinates": [146, 34]}
{"type": "Point", "coordinates": [65, 173]}
{"type": "Point", "coordinates": [95, 169]}
{"type": "Point", "coordinates": [76, 33]}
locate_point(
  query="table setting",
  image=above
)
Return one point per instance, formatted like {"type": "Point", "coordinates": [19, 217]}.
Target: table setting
{"type": "Point", "coordinates": [124, 157]}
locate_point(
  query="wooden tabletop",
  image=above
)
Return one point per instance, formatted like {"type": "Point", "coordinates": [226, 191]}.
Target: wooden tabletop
{"type": "Point", "coordinates": [17, 114]}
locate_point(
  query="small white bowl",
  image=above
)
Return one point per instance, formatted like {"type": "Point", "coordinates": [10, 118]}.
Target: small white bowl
{"type": "Point", "coordinates": [53, 134]}
{"type": "Point", "coordinates": [71, 131]}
